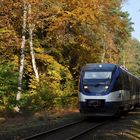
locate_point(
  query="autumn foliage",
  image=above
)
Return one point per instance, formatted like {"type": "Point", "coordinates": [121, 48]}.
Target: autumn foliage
{"type": "Point", "coordinates": [67, 34]}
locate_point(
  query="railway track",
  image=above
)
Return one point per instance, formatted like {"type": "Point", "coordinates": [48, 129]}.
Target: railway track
{"type": "Point", "coordinates": [79, 135]}
{"type": "Point", "coordinates": [70, 131]}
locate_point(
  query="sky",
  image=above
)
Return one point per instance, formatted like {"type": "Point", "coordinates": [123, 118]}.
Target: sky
{"type": "Point", "coordinates": [133, 8]}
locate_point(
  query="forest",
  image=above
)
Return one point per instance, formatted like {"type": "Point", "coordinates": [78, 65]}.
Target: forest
{"type": "Point", "coordinates": [44, 44]}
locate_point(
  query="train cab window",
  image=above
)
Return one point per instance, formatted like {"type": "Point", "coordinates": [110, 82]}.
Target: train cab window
{"type": "Point", "coordinates": [97, 75]}
{"type": "Point", "coordinates": [96, 81]}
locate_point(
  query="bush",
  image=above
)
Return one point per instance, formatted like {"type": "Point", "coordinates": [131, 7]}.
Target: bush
{"type": "Point", "coordinates": [8, 86]}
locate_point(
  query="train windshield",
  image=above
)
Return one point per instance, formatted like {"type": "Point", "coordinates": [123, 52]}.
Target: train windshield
{"type": "Point", "coordinates": [96, 82]}
{"type": "Point", "coordinates": [97, 75]}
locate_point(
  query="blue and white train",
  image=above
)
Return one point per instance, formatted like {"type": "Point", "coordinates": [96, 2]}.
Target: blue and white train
{"type": "Point", "coordinates": [107, 90]}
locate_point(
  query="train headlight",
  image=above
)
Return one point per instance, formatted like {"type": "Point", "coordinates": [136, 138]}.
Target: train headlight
{"type": "Point", "coordinates": [106, 87]}
{"type": "Point", "coordinates": [85, 87]}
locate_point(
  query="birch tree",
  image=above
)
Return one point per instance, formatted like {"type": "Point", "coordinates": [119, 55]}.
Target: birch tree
{"type": "Point", "coordinates": [31, 27]}
{"type": "Point", "coordinates": [21, 69]}
{"type": "Point", "coordinates": [104, 53]}
{"type": "Point", "coordinates": [104, 49]}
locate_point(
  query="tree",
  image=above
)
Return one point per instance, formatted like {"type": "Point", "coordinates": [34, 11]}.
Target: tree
{"type": "Point", "coordinates": [93, 24]}
{"type": "Point", "coordinates": [130, 56]}
{"type": "Point", "coordinates": [31, 26]}
{"type": "Point", "coordinates": [18, 97]}
{"type": "Point", "coordinates": [63, 36]}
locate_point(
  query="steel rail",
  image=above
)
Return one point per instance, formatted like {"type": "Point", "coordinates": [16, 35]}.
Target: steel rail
{"type": "Point", "coordinates": [86, 131]}
{"type": "Point", "coordinates": [52, 130]}
{"type": "Point", "coordinates": [133, 135]}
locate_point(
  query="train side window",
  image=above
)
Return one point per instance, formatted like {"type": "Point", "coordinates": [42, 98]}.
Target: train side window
{"type": "Point", "coordinates": [126, 84]}
{"type": "Point", "coordinates": [131, 84]}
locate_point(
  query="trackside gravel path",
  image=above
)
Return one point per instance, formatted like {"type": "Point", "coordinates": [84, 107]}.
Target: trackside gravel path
{"type": "Point", "coordinates": [125, 128]}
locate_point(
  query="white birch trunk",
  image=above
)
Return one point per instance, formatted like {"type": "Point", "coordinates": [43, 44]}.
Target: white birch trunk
{"type": "Point", "coordinates": [22, 54]}
{"type": "Point", "coordinates": [104, 53]}
{"type": "Point", "coordinates": [31, 46]}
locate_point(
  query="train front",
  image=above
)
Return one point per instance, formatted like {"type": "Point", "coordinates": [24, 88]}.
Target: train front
{"type": "Point", "coordinates": [95, 90]}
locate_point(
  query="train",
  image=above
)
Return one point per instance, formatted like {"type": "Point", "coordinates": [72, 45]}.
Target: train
{"type": "Point", "coordinates": [107, 90]}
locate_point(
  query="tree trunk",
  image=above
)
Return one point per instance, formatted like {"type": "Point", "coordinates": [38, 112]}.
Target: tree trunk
{"type": "Point", "coordinates": [124, 63]}
{"type": "Point", "coordinates": [31, 26]}
{"type": "Point", "coordinates": [22, 54]}
{"type": "Point", "coordinates": [104, 53]}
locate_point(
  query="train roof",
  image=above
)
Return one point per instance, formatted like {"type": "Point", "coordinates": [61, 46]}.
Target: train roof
{"type": "Point", "coordinates": [107, 67]}
{"type": "Point", "coordinates": [124, 69]}
{"type": "Point", "coordinates": [101, 66]}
